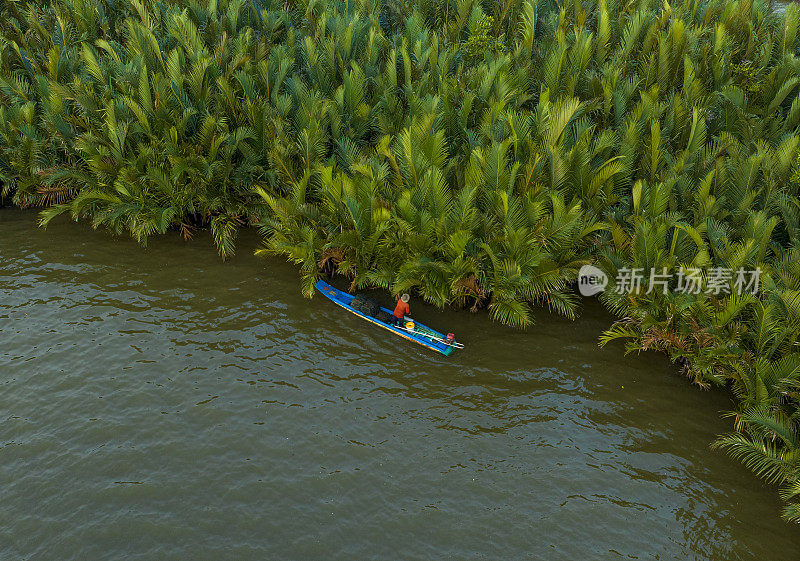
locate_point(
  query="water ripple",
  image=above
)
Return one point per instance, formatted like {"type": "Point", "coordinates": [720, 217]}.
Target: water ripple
{"type": "Point", "coordinates": [171, 406]}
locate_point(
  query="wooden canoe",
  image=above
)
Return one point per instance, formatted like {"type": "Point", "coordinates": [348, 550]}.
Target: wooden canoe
{"type": "Point", "coordinates": [421, 334]}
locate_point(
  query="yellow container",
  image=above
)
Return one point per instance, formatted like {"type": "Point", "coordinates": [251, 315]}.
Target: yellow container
{"type": "Point", "coordinates": [410, 325]}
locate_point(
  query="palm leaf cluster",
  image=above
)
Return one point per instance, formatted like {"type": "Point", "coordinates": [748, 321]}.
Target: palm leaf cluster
{"type": "Point", "coordinates": [475, 153]}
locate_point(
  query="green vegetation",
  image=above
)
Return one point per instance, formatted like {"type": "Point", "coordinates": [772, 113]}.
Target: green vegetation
{"type": "Point", "coordinates": [476, 153]}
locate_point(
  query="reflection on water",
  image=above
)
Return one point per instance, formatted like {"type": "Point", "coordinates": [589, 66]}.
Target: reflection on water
{"type": "Point", "coordinates": [161, 404]}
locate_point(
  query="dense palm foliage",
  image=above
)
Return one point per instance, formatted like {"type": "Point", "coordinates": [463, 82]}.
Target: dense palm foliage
{"type": "Point", "coordinates": [476, 153]}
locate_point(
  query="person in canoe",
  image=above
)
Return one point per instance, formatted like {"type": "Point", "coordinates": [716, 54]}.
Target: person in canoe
{"type": "Point", "coordinates": [401, 310]}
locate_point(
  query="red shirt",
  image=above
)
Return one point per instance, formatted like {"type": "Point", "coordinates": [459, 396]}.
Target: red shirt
{"type": "Point", "coordinates": [401, 309]}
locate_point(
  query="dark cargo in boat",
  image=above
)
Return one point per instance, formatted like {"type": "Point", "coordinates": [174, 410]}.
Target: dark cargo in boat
{"type": "Point", "coordinates": [365, 305]}
{"type": "Point", "coordinates": [385, 317]}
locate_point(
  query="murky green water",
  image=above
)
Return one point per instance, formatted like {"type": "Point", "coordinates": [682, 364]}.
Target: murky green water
{"type": "Point", "coordinates": [159, 404]}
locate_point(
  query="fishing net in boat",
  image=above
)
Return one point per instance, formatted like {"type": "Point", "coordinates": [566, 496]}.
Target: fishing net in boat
{"type": "Point", "coordinates": [365, 306]}
{"type": "Point", "coordinates": [385, 317]}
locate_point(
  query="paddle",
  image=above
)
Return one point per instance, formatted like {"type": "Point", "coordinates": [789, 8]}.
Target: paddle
{"type": "Point", "coordinates": [428, 335]}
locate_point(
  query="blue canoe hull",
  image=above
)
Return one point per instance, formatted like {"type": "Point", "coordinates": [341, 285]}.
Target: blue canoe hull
{"type": "Point", "coordinates": [344, 299]}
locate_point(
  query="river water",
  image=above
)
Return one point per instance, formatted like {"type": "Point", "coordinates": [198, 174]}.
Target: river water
{"type": "Point", "coordinates": [160, 404]}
